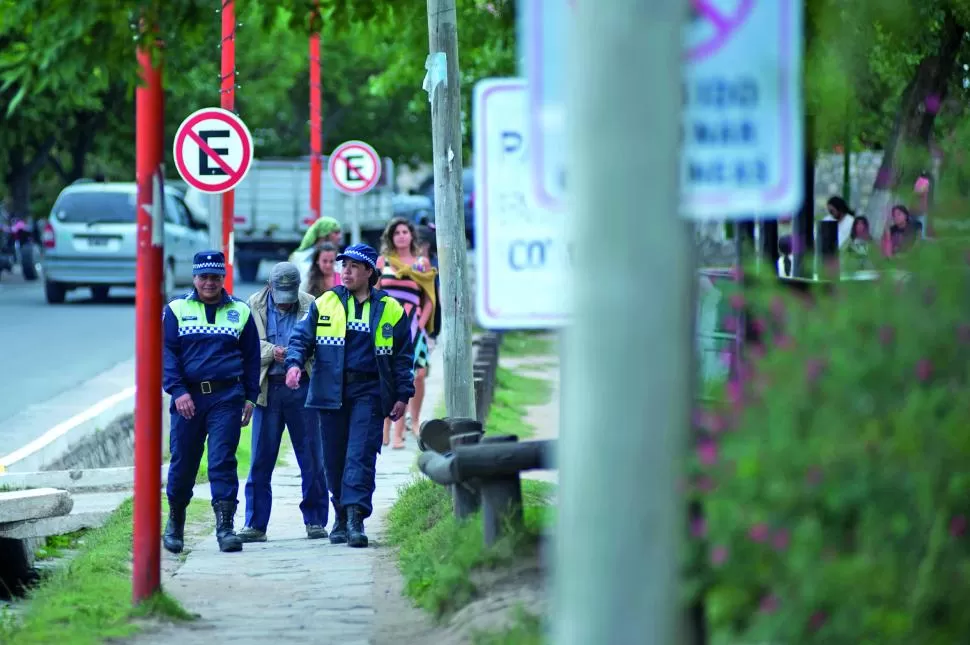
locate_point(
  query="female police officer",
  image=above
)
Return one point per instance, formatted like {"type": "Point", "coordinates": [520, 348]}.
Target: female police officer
{"type": "Point", "coordinates": [361, 374]}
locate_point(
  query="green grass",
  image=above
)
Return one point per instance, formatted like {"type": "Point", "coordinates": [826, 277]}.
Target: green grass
{"type": "Point", "coordinates": [526, 629]}
{"type": "Point", "coordinates": [55, 545]}
{"type": "Point", "coordinates": [527, 343]}
{"type": "Point", "coordinates": [514, 393]}
{"type": "Point", "coordinates": [438, 552]}
{"type": "Point", "coordinates": [88, 600]}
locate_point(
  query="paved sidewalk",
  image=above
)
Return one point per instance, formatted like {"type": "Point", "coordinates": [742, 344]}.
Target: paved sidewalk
{"type": "Point", "coordinates": [289, 589]}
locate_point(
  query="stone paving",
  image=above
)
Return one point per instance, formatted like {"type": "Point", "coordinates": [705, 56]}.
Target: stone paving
{"type": "Point", "coordinates": [289, 589]}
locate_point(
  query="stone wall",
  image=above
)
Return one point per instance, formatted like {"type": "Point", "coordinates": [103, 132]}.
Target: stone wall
{"type": "Point", "coordinates": [110, 447]}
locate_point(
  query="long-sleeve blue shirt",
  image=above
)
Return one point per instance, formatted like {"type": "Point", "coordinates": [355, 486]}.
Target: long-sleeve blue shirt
{"type": "Point", "coordinates": [209, 343]}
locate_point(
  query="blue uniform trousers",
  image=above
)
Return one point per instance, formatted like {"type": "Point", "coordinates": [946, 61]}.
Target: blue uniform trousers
{"type": "Point", "coordinates": [286, 407]}
{"type": "Point", "coordinates": [218, 416]}
{"type": "Point", "coordinates": [352, 438]}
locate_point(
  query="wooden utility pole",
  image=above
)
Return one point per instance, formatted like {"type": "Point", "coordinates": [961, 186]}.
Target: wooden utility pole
{"type": "Point", "coordinates": [443, 88]}
{"type": "Point", "coordinates": [628, 370]}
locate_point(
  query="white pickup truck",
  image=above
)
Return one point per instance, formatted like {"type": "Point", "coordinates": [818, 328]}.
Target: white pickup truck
{"type": "Point", "coordinates": [272, 210]}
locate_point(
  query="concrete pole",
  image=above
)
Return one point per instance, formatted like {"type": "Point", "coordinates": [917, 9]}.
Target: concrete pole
{"type": "Point", "coordinates": [443, 85]}
{"type": "Point", "coordinates": [629, 354]}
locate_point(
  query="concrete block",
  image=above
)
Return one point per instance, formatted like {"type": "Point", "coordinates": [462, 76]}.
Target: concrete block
{"type": "Point", "coordinates": [87, 479]}
{"type": "Point", "coordinates": [48, 526]}
{"type": "Point", "coordinates": [20, 505]}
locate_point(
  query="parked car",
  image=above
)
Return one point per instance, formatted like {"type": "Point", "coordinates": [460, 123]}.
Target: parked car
{"type": "Point", "coordinates": [468, 197]}
{"type": "Point", "coordinates": [90, 240]}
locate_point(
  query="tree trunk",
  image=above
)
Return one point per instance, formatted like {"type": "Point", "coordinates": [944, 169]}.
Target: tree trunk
{"type": "Point", "coordinates": [20, 173]}
{"type": "Point", "coordinates": [914, 121]}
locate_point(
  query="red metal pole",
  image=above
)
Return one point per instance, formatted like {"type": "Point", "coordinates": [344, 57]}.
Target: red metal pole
{"type": "Point", "coordinates": [316, 135]}
{"type": "Point", "coordinates": [227, 92]}
{"type": "Point", "coordinates": [149, 138]}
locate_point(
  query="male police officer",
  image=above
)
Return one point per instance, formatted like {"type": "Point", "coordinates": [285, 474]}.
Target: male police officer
{"type": "Point", "coordinates": [361, 374]}
{"type": "Point", "coordinates": [276, 309]}
{"type": "Point", "coordinates": [212, 372]}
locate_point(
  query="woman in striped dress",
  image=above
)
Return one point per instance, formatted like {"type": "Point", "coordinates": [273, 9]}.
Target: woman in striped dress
{"type": "Point", "coordinates": [409, 278]}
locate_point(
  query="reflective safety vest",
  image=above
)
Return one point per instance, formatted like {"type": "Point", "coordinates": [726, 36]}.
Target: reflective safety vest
{"type": "Point", "coordinates": [231, 317]}
{"type": "Point", "coordinates": [333, 323]}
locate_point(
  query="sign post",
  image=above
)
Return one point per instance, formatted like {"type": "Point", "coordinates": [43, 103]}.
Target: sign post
{"type": "Point", "coordinates": [149, 300]}
{"type": "Point", "coordinates": [355, 169]}
{"type": "Point", "coordinates": [742, 119]}
{"type": "Point", "coordinates": [227, 96]}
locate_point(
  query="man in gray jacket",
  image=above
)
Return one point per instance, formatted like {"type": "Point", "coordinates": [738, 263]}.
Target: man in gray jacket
{"type": "Point", "coordinates": [276, 309]}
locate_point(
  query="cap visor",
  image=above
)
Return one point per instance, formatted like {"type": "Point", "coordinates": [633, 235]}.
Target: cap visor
{"type": "Point", "coordinates": [286, 296]}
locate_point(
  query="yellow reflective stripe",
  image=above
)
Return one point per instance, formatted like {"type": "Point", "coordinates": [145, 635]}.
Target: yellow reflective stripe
{"type": "Point", "coordinates": [331, 319]}
{"type": "Point", "coordinates": [190, 314]}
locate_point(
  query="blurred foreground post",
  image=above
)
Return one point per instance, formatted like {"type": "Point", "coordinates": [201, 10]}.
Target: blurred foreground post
{"type": "Point", "coordinates": [442, 84]}
{"type": "Point", "coordinates": [316, 143]}
{"type": "Point", "coordinates": [629, 353]}
{"type": "Point", "coordinates": [149, 300]}
{"type": "Point", "coordinates": [227, 94]}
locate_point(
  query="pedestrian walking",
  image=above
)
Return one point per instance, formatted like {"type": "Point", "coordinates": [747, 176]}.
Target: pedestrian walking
{"type": "Point", "coordinates": [322, 274]}
{"type": "Point", "coordinates": [325, 229]}
{"type": "Point", "coordinates": [211, 371]}
{"type": "Point", "coordinates": [361, 343]}
{"type": "Point", "coordinates": [276, 309]}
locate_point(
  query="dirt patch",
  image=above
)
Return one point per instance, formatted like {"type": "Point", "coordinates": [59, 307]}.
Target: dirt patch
{"type": "Point", "coordinates": [500, 593]}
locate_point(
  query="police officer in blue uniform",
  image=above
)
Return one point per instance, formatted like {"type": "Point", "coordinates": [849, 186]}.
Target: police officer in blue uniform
{"type": "Point", "coordinates": [211, 370]}
{"type": "Point", "coordinates": [363, 358]}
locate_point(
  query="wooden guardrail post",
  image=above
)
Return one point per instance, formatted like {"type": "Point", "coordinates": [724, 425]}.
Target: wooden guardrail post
{"type": "Point", "coordinates": [465, 495]}
{"type": "Point", "coordinates": [501, 499]}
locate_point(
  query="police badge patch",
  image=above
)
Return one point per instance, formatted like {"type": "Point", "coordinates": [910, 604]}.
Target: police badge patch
{"type": "Point", "coordinates": [387, 330]}
{"type": "Point", "coordinates": [232, 315]}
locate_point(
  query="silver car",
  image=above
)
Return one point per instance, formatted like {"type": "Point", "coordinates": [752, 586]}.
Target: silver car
{"type": "Point", "coordinates": [90, 240]}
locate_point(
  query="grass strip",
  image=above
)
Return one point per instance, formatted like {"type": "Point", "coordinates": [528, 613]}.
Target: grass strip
{"type": "Point", "coordinates": [88, 600]}
{"type": "Point", "coordinates": [525, 629]}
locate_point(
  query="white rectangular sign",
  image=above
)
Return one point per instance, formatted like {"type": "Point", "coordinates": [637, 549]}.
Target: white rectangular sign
{"type": "Point", "coordinates": [742, 123]}
{"type": "Point", "coordinates": [522, 261]}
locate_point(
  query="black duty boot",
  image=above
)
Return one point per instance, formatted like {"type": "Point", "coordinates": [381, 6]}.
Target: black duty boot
{"type": "Point", "coordinates": [338, 534]}
{"type": "Point", "coordinates": [228, 540]}
{"type": "Point", "coordinates": [355, 527]}
{"type": "Point", "coordinates": [174, 537]}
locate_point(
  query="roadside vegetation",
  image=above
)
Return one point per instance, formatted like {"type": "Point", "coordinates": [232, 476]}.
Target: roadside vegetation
{"type": "Point", "coordinates": [97, 579]}
{"type": "Point", "coordinates": [438, 554]}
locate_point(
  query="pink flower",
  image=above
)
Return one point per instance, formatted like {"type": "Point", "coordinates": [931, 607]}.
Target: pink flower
{"type": "Point", "coordinates": [778, 309]}
{"type": "Point", "coordinates": [781, 539]}
{"type": "Point", "coordinates": [759, 532]}
{"type": "Point", "coordinates": [756, 351]}
{"type": "Point", "coordinates": [932, 104]}
{"type": "Point", "coordinates": [698, 527]}
{"type": "Point", "coordinates": [704, 484]}
{"type": "Point", "coordinates": [769, 604]}
{"type": "Point", "coordinates": [958, 526]}
{"type": "Point", "coordinates": [783, 341]}
{"type": "Point", "coordinates": [817, 620]}
{"type": "Point", "coordinates": [730, 324]}
{"type": "Point", "coordinates": [924, 369]}
{"type": "Point", "coordinates": [758, 325]}
{"type": "Point", "coordinates": [719, 555]}
{"type": "Point", "coordinates": [963, 333]}
{"type": "Point", "coordinates": [813, 369]}
{"type": "Point", "coordinates": [886, 334]}
{"type": "Point", "coordinates": [814, 476]}
{"type": "Point", "coordinates": [707, 452]}
{"type": "Point", "coordinates": [737, 301]}
{"type": "Point", "coordinates": [735, 392]}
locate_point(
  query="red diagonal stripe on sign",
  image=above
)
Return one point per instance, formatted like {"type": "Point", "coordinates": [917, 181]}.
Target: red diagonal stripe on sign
{"type": "Point", "coordinates": [352, 168]}
{"type": "Point", "coordinates": [212, 154]}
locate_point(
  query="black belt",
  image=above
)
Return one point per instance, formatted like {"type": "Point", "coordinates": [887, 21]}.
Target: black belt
{"type": "Point", "coordinates": [281, 378]}
{"type": "Point", "coordinates": [361, 377]}
{"type": "Point", "coordinates": [211, 387]}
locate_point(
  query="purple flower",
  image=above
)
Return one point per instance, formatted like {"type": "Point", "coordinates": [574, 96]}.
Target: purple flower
{"type": "Point", "coordinates": [698, 527]}
{"type": "Point", "coordinates": [813, 369]}
{"type": "Point", "coordinates": [759, 532]}
{"type": "Point", "coordinates": [730, 324]}
{"type": "Point", "coordinates": [719, 555]}
{"type": "Point", "coordinates": [781, 539]}
{"type": "Point", "coordinates": [737, 301]}
{"type": "Point", "coordinates": [769, 604]}
{"type": "Point", "coordinates": [778, 309]}
{"type": "Point", "coordinates": [924, 369]}
{"type": "Point", "coordinates": [707, 452]}
{"type": "Point", "coordinates": [886, 334]}
{"type": "Point", "coordinates": [784, 341]}
{"type": "Point", "coordinates": [814, 476]}
{"type": "Point", "coordinates": [932, 104]}
{"type": "Point", "coordinates": [817, 620]}
{"type": "Point", "coordinates": [958, 526]}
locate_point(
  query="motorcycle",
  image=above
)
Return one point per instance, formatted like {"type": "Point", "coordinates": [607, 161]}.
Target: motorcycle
{"type": "Point", "coordinates": [17, 247]}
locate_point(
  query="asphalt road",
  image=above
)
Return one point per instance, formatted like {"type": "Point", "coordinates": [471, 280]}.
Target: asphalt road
{"type": "Point", "coordinates": [47, 349]}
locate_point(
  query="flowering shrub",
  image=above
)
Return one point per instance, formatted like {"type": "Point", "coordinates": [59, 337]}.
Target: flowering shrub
{"type": "Point", "coordinates": [830, 487]}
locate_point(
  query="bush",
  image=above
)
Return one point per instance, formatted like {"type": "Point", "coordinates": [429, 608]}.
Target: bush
{"type": "Point", "coordinates": [833, 477]}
